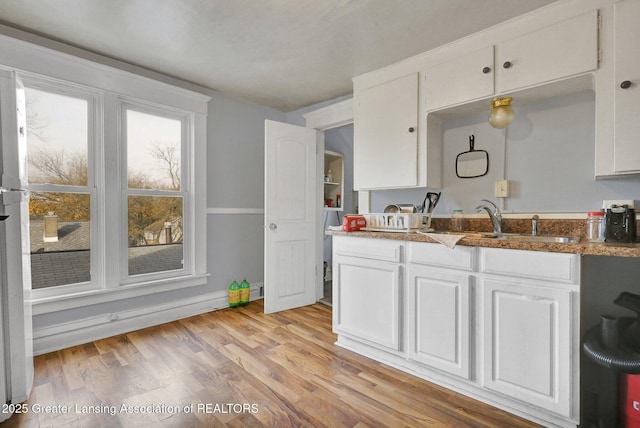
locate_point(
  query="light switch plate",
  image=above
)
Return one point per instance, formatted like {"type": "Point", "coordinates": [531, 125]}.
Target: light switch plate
{"type": "Point", "coordinates": [502, 188]}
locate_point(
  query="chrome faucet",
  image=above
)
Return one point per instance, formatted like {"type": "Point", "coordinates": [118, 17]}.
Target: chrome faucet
{"type": "Point", "coordinates": [534, 225]}
{"type": "Point", "coordinates": [495, 216]}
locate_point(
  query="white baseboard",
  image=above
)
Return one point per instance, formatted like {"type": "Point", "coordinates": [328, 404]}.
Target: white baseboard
{"type": "Point", "coordinates": [64, 335]}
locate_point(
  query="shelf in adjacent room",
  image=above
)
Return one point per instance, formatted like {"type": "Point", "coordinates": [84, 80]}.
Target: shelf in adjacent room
{"type": "Point", "coordinates": [334, 162]}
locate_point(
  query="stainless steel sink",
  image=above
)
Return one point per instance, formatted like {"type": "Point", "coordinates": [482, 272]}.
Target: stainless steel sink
{"type": "Point", "coordinates": [539, 238]}
{"type": "Point", "coordinates": [517, 237]}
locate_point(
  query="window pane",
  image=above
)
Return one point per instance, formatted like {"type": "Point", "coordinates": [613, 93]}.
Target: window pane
{"type": "Point", "coordinates": [57, 138]}
{"type": "Point", "coordinates": [60, 233]}
{"type": "Point", "coordinates": [153, 151]}
{"type": "Point", "coordinates": [155, 234]}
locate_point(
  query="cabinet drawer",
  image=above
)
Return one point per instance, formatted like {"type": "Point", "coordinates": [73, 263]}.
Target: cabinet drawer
{"type": "Point", "coordinates": [376, 249]}
{"type": "Point", "coordinates": [441, 256]}
{"type": "Point", "coordinates": [540, 265]}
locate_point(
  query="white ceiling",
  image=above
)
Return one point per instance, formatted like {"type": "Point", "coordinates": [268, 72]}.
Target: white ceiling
{"type": "Point", "coordinates": [285, 54]}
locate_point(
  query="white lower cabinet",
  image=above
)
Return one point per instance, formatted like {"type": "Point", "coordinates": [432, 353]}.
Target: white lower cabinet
{"type": "Point", "coordinates": [439, 314]}
{"type": "Point", "coordinates": [499, 325]}
{"type": "Point", "coordinates": [367, 292]}
{"type": "Point", "coordinates": [529, 327]}
{"type": "Point", "coordinates": [526, 343]}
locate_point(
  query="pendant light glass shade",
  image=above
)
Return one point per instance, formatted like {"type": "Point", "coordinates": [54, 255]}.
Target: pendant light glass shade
{"type": "Point", "coordinates": [501, 113]}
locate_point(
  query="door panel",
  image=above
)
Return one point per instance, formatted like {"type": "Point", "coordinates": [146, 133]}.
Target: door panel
{"type": "Point", "coordinates": [292, 207]}
{"type": "Point", "coordinates": [439, 314]}
{"type": "Point", "coordinates": [385, 150]}
{"type": "Point", "coordinates": [627, 104]}
{"type": "Point", "coordinates": [366, 300]}
{"type": "Point", "coordinates": [460, 80]}
{"type": "Point", "coordinates": [549, 53]}
{"type": "Point", "coordinates": [526, 343]}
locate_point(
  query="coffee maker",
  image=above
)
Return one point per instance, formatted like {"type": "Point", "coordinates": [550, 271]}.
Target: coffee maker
{"type": "Point", "coordinates": [620, 224]}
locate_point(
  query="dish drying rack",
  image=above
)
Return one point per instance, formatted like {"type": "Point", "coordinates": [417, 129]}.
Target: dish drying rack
{"type": "Point", "coordinates": [398, 222]}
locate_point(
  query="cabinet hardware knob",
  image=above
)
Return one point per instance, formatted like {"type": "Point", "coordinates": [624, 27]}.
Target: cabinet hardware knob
{"type": "Point", "coordinates": [507, 64]}
{"type": "Point", "coordinates": [486, 70]}
{"type": "Point", "coordinates": [273, 227]}
{"type": "Point", "coordinates": [411, 129]}
{"type": "Point", "coordinates": [626, 84]}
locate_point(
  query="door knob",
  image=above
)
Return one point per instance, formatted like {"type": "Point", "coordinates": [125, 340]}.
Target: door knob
{"type": "Point", "coordinates": [273, 227]}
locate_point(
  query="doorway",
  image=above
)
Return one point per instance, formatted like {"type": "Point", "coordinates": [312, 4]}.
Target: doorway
{"type": "Point", "coordinates": [334, 116]}
{"type": "Point", "coordinates": [339, 140]}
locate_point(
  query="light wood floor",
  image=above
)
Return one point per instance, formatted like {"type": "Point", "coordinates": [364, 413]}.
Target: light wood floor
{"type": "Point", "coordinates": [250, 369]}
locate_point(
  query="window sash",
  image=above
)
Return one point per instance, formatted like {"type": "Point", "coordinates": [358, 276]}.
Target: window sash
{"type": "Point", "coordinates": [186, 147]}
{"type": "Point", "coordinates": [94, 169]}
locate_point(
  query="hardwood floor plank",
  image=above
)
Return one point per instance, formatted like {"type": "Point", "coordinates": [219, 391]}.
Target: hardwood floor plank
{"type": "Point", "coordinates": [240, 368]}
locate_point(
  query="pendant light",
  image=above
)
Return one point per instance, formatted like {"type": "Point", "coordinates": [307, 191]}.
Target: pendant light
{"type": "Point", "coordinates": [501, 113]}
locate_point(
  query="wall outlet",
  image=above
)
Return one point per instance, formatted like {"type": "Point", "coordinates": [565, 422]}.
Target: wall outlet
{"type": "Point", "coordinates": [502, 188]}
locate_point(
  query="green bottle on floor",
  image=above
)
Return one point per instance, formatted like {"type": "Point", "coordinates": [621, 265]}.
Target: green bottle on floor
{"type": "Point", "coordinates": [234, 294]}
{"type": "Point", "coordinates": [245, 292]}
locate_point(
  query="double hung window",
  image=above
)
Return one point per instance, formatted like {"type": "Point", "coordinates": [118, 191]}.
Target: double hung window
{"type": "Point", "coordinates": [81, 151]}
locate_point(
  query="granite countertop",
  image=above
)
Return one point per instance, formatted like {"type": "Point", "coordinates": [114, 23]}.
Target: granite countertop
{"type": "Point", "coordinates": [550, 227]}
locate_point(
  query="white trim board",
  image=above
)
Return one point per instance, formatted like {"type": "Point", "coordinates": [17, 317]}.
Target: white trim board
{"type": "Point", "coordinates": [65, 335]}
{"type": "Point", "coordinates": [332, 116]}
{"type": "Point", "coordinates": [235, 210]}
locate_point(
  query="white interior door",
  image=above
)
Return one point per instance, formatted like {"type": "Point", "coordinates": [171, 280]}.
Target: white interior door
{"type": "Point", "coordinates": [14, 241]}
{"type": "Point", "coordinates": [292, 206]}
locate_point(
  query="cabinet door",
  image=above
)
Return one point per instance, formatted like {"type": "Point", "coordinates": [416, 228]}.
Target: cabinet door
{"type": "Point", "coordinates": [561, 50]}
{"type": "Point", "coordinates": [366, 300]}
{"type": "Point", "coordinates": [527, 343]}
{"type": "Point", "coordinates": [439, 320]}
{"type": "Point", "coordinates": [460, 80]}
{"type": "Point", "coordinates": [627, 100]}
{"type": "Point", "coordinates": [385, 147]}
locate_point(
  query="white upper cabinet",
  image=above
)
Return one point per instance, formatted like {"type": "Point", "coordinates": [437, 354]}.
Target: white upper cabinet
{"type": "Point", "coordinates": [385, 147]}
{"type": "Point", "coordinates": [626, 86]}
{"type": "Point", "coordinates": [555, 52]}
{"type": "Point", "coordinates": [462, 79]}
{"type": "Point", "coordinates": [560, 49]}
